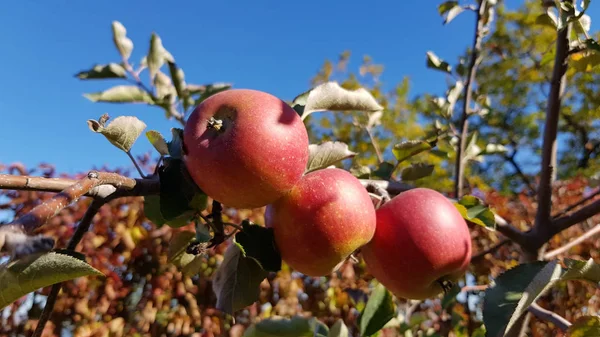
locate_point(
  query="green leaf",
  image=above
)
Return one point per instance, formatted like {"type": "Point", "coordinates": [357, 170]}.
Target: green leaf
{"type": "Point", "coordinates": [472, 152]}
{"type": "Point", "coordinates": [547, 19]}
{"type": "Point", "coordinates": [326, 154]}
{"type": "Point", "coordinates": [152, 212]}
{"type": "Point", "coordinates": [33, 272]}
{"type": "Point", "coordinates": [339, 329]}
{"type": "Point", "coordinates": [297, 326]}
{"type": "Point", "coordinates": [157, 55]}
{"type": "Point", "coordinates": [380, 309]}
{"type": "Point", "coordinates": [374, 119]}
{"type": "Point", "coordinates": [592, 45]}
{"type": "Point", "coordinates": [236, 282]}
{"type": "Point", "coordinates": [410, 148]}
{"type": "Point", "coordinates": [501, 300]}
{"type": "Point", "coordinates": [178, 192]}
{"type": "Point", "coordinates": [189, 264]}
{"type": "Point", "coordinates": [103, 71]}
{"type": "Point", "coordinates": [122, 42]}
{"type": "Point", "coordinates": [164, 88]}
{"type": "Point", "coordinates": [444, 7]}
{"type": "Point", "coordinates": [176, 143]}
{"type": "Point", "coordinates": [417, 171]}
{"type": "Point", "coordinates": [258, 242]}
{"type": "Point", "coordinates": [178, 79]}
{"type": "Point", "coordinates": [436, 63]}
{"type": "Point", "coordinates": [121, 94]}
{"type": "Point", "coordinates": [331, 96]}
{"type": "Point", "coordinates": [384, 170]}
{"type": "Point", "coordinates": [361, 172]}
{"type": "Point", "coordinates": [453, 13]}
{"type": "Point", "coordinates": [205, 91]}
{"type": "Point", "coordinates": [493, 149]}
{"type": "Point", "coordinates": [586, 326]}
{"type": "Point", "coordinates": [440, 153]}
{"type": "Point", "coordinates": [158, 141]}
{"type": "Point", "coordinates": [473, 209]}
{"type": "Point", "coordinates": [122, 132]}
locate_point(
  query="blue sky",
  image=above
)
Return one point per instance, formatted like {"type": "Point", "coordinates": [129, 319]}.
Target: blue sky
{"type": "Point", "coordinates": [274, 46]}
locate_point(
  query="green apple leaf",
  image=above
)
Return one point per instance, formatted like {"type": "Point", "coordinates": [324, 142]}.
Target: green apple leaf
{"type": "Point", "coordinates": [122, 42]}
{"type": "Point", "coordinates": [374, 119]}
{"type": "Point", "coordinates": [434, 62]}
{"type": "Point", "coordinates": [121, 94]}
{"type": "Point", "coordinates": [326, 154]}
{"type": "Point", "coordinates": [379, 310]}
{"type": "Point", "coordinates": [339, 329]}
{"type": "Point", "coordinates": [189, 264]}
{"type": "Point", "coordinates": [178, 193]}
{"type": "Point", "coordinates": [384, 170]}
{"type": "Point", "coordinates": [331, 96]}
{"type": "Point", "coordinates": [410, 148]}
{"type": "Point", "coordinates": [157, 55]}
{"type": "Point", "coordinates": [122, 132]}
{"type": "Point", "coordinates": [453, 13]}
{"type": "Point", "coordinates": [501, 300]}
{"type": "Point", "coordinates": [417, 171]}
{"type": "Point", "coordinates": [547, 19]}
{"type": "Point", "coordinates": [164, 88]}
{"type": "Point", "coordinates": [178, 79]}
{"type": "Point", "coordinates": [176, 144]}
{"type": "Point", "coordinates": [258, 242]}
{"type": "Point", "coordinates": [25, 275]}
{"type": "Point", "coordinates": [283, 327]}
{"type": "Point", "coordinates": [103, 71]}
{"type": "Point", "coordinates": [473, 210]}
{"type": "Point", "coordinates": [439, 153]}
{"type": "Point", "coordinates": [444, 7]}
{"type": "Point", "coordinates": [361, 172]}
{"type": "Point", "coordinates": [205, 91]}
{"type": "Point", "coordinates": [236, 282]}
{"type": "Point", "coordinates": [158, 141]}
{"type": "Point", "coordinates": [152, 212]}
{"type": "Point", "coordinates": [586, 326]}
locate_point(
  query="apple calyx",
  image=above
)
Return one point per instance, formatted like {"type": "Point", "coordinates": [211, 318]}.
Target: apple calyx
{"type": "Point", "coordinates": [214, 123]}
{"type": "Point", "coordinates": [445, 283]}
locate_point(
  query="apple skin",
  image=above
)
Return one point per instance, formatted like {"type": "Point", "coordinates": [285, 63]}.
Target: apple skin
{"type": "Point", "coordinates": [420, 238]}
{"type": "Point", "coordinates": [258, 155]}
{"type": "Point", "coordinates": [321, 221]}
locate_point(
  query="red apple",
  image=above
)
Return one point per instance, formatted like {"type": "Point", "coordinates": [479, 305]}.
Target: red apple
{"type": "Point", "coordinates": [245, 148]}
{"type": "Point", "coordinates": [421, 240]}
{"type": "Point", "coordinates": [321, 221]}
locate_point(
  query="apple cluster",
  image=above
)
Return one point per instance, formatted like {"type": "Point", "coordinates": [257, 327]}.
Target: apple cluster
{"type": "Point", "coordinates": [249, 149]}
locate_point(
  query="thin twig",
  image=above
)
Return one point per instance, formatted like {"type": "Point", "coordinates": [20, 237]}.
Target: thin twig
{"type": "Point", "coordinates": [520, 173]}
{"type": "Point", "coordinates": [549, 316]}
{"type": "Point", "coordinates": [577, 204]}
{"type": "Point", "coordinates": [375, 145]}
{"type": "Point", "coordinates": [587, 235]}
{"type": "Point", "coordinates": [83, 227]}
{"type": "Point", "coordinates": [490, 250]}
{"type": "Point", "coordinates": [468, 92]}
{"type": "Point", "coordinates": [574, 218]}
{"type": "Point", "coordinates": [139, 169]}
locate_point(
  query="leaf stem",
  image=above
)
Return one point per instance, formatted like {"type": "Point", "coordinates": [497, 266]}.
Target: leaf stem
{"type": "Point", "coordinates": [139, 169]}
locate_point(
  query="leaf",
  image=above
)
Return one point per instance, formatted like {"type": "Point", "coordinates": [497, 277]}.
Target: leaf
{"type": "Point", "coordinates": [189, 264]}
{"type": "Point", "coordinates": [436, 63]}
{"type": "Point", "coordinates": [121, 94]}
{"type": "Point", "coordinates": [583, 25]}
{"type": "Point", "coordinates": [156, 55]}
{"type": "Point", "coordinates": [176, 143]}
{"type": "Point", "coordinates": [103, 71]}
{"type": "Point", "coordinates": [374, 119]}
{"type": "Point", "coordinates": [326, 154]}
{"type": "Point", "coordinates": [205, 91]}
{"type": "Point", "coordinates": [417, 171]}
{"type": "Point", "coordinates": [38, 271]}
{"type": "Point", "coordinates": [444, 7]}
{"type": "Point", "coordinates": [258, 242]}
{"type": "Point", "coordinates": [472, 151]}
{"type": "Point", "coordinates": [339, 329]}
{"type": "Point", "coordinates": [164, 88]}
{"type": "Point", "coordinates": [547, 19]}
{"type": "Point", "coordinates": [450, 296]}
{"type": "Point", "coordinates": [361, 172]}
{"type": "Point", "coordinates": [178, 192]}
{"type": "Point", "coordinates": [440, 153]}
{"type": "Point", "coordinates": [493, 149]}
{"type": "Point", "coordinates": [297, 326]}
{"type": "Point", "coordinates": [122, 42]}
{"type": "Point", "coordinates": [473, 209]}
{"type": "Point", "coordinates": [379, 310]}
{"type": "Point", "coordinates": [384, 170]}
{"type": "Point", "coordinates": [178, 79]}
{"type": "Point", "coordinates": [331, 96]}
{"type": "Point", "coordinates": [453, 13]}
{"type": "Point", "coordinates": [122, 132]}
{"type": "Point", "coordinates": [501, 299]}
{"type": "Point", "coordinates": [410, 148]}
{"type": "Point", "coordinates": [236, 282]}
{"type": "Point", "coordinates": [586, 326]}
{"type": "Point", "coordinates": [152, 212]}
{"type": "Point", "coordinates": [592, 45]}
{"type": "Point", "coordinates": [158, 141]}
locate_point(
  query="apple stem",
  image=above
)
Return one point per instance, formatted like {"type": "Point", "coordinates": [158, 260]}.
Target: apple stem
{"type": "Point", "coordinates": [214, 123]}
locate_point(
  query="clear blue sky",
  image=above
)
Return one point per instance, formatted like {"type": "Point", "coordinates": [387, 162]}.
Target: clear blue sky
{"type": "Point", "coordinates": [275, 46]}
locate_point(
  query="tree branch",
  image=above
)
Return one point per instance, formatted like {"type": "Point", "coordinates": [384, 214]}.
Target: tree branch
{"type": "Point", "coordinates": [549, 316]}
{"type": "Point", "coordinates": [520, 173]}
{"type": "Point", "coordinates": [577, 204]}
{"type": "Point", "coordinates": [580, 215]}
{"type": "Point", "coordinates": [83, 227]}
{"type": "Point", "coordinates": [548, 174]}
{"type": "Point", "coordinates": [587, 235]}
{"type": "Point", "coordinates": [468, 92]}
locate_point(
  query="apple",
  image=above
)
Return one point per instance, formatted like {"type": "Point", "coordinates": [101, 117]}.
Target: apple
{"type": "Point", "coordinates": [420, 246]}
{"type": "Point", "coordinates": [319, 223]}
{"type": "Point", "coordinates": [245, 148]}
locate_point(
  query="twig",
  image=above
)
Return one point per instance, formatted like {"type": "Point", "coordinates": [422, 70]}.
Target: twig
{"type": "Point", "coordinates": [587, 235]}
{"type": "Point", "coordinates": [375, 145]}
{"type": "Point", "coordinates": [463, 124]}
{"type": "Point", "coordinates": [490, 250]}
{"type": "Point", "coordinates": [547, 175]}
{"type": "Point", "coordinates": [520, 173]}
{"type": "Point", "coordinates": [549, 316]}
{"type": "Point", "coordinates": [139, 169]}
{"type": "Point", "coordinates": [574, 218]}
{"type": "Point", "coordinates": [575, 205]}
{"type": "Point", "coordinates": [83, 227]}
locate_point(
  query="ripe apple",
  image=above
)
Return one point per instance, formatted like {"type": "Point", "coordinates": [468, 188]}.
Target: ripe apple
{"type": "Point", "coordinates": [420, 242]}
{"type": "Point", "coordinates": [321, 221]}
{"type": "Point", "coordinates": [245, 148]}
